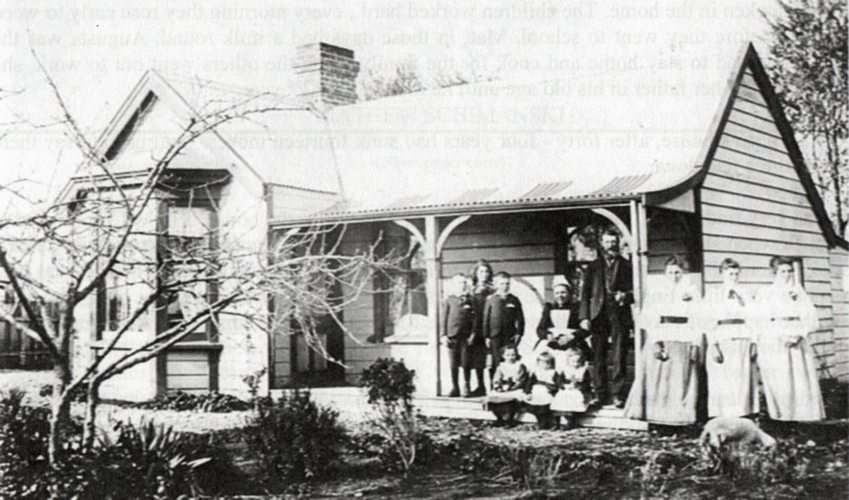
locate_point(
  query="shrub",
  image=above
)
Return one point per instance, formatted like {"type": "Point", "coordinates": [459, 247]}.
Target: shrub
{"type": "Point", "coordinates": [148, 461]}
{"type": "Point", "coordinates": [210, 402]}
{"type": "Point", "coordinates": [23, 444]}
{"type": "Point", "coordinates": [153, 459]}
{"type": "Point", "coordinates": [24, 434]}
{"type": "Point", "coordinates": [390, 392]}
{"type": "Point", "coordinates": [389, 382]}
{"type": "Point", "coordinates": [293, 438]}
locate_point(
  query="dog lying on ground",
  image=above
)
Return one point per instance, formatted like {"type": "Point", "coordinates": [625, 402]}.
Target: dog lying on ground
{"type": "Point", "coordinates": [723, 431]}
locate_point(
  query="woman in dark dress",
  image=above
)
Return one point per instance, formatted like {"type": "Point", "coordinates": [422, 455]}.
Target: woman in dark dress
{"type": "Point", "coordinates": [481, 289]}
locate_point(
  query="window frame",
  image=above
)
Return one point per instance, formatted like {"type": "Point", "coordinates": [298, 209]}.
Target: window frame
{"type": "Point", "coordinates": [208, 331]}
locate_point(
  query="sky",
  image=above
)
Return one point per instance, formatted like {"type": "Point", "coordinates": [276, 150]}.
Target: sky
{"type": "Point", "coordinates": [95, 52]}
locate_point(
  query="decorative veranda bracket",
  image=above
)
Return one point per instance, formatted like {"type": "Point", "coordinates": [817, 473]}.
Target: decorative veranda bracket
{"type": "Point", "coordinates": [445, 233]}
{"type": "Point", "coordinates": [422, 241]}
{"type": "Point", "coordinates": [619, 223]}
{"type": "Point", "coordinates": [441, 239]}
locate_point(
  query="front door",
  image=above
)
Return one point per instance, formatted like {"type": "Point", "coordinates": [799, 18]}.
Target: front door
{"type": "Point", "coordinates": [310, 368]}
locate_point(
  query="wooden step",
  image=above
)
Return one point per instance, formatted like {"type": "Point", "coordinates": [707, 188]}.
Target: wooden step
{"type": "Point", "coordinates": [353, 402]}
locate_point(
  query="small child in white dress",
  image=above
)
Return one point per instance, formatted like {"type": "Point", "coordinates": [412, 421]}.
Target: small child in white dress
{"type": "Point", "coordinates": [508, 384]}
{"type": "Point", "coordinates": [575, 386]}
{"type": "Point", "coordinates": [540, 390]}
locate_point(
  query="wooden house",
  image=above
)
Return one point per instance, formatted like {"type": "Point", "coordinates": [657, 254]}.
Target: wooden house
{"type": "Point", "coordinates": [684, 158]}
{"type": "Point", "coordinates": [702, 164]}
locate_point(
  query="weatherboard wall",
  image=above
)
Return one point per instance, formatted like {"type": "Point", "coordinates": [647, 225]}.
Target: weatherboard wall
{"type": "Point", "coordinates": [839, 259]}
{"type": "Point", "coordinates": [754, 206]}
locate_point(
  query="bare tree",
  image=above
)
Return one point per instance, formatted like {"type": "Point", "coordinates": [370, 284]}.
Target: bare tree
{"type": "Point", "coordinates": [102, 242]}
{"type": "Point", "coordinates": [808, 63]}
{"type": "Point", "coordinates": [408, 78]}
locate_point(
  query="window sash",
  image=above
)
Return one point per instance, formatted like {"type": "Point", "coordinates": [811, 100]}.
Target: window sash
{"type": "Point", "coordinates": [188, 239]}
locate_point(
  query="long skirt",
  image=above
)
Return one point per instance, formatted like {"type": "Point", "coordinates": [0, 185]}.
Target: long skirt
{"type": "Point", "coordinates": [789, 375]}
{"type": "Point", "coordinates": [667, 393]}
{"type": "Point", "coordinates": [732, 387]}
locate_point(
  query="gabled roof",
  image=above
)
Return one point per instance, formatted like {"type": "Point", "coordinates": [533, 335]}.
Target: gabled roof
{"type": "Point", "coordinates": [605, 130]}
{"type": "Point", "coordinates": [635, 125]}
{"type": "Point", "coordinates": [274, 146]}
{"type": "Point", "coordinates": [632, 124]}
{"type": "Point", "coordinates": [752, 63]}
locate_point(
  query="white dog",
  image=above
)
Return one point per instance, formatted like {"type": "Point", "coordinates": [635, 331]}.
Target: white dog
{"type": "Point", "coordinates": [734, 430]}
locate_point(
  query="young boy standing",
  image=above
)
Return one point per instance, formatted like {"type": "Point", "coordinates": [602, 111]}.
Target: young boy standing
{"type": "Point", "coordinates": [503, 319]}
{"type": "Point", "coordinates": [457, 324]}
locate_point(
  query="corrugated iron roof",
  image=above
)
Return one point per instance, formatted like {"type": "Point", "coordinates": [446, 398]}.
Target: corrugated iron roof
{"type": "Point", "coordinates": [503, 145]}
{"type": "Point", "coordinates": [551, 142]}
{"type": "Point", "coordinates": [473, 196]}
{"type": "Point", "coordinates": [622, 185]}
{"type": "Point", "coordinates": [407, 201]}
{"type": "Point", "coordinates": [546, 190]}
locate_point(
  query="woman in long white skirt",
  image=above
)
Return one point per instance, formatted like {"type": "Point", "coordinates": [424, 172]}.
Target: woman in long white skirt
{"type": "Point", "coordinates": [732, 386]}
{"type": "Point", "coordinates": [785, 358]}
{"type": "Point", "coordinates": [667, 392]}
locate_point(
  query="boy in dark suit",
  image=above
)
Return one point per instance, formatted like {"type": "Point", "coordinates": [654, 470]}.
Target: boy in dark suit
{"type": "Point", "coordinates": [503, 319]}
{"type": "Point", "coordinates": [457, 322]}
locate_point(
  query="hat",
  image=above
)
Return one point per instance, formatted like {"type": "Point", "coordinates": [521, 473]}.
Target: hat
{"type": "Point", "coordinates": [560, 281]}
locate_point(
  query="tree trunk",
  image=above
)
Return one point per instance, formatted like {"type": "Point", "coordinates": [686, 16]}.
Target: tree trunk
{"type": "Point", "coordinates": [61, 410]}
{"type": "Point", "coordinates": [91, 402]}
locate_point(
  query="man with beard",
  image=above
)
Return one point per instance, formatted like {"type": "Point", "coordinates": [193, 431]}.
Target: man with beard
{"type": "Point", "coordinates": [605, 310]}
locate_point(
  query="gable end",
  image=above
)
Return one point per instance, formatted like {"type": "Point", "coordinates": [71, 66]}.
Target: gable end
{"type": "Point", "coordinates": [757, 200]}
{"type": "Point", "coordinates": [783, 125]}
{"type": "Point", "coordinates": [136, 118]}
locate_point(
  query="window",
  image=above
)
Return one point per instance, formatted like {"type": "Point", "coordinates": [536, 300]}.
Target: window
{"type": "Point", "coordinates": [409, 295]}
{"type": "Point", "coordinates": [401, 309]}
{"type": "Point", "coordinates": [114, 293]}
{"type": "Point", "coordinates": [798, 271]}
{"type": "Point", "coordinates": [189, 242]}
{"type": "Point", "coordinates": [114, 303]}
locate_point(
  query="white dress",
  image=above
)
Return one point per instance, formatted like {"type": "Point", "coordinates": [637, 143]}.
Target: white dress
{"type": "Point", "coordinates": [574, 390]}
{"type": "Point", "coordinates": [667, 392]}
{"type": "Point", "coordinates": [540, 393]}
{"type": "Point", "coordinates": [791, 386]}
{"type": "Point", "coordinates": [732, 385]}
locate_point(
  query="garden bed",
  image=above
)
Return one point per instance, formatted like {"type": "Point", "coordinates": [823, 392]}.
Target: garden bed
{"type": "Point", "coordinates": [467, 459]}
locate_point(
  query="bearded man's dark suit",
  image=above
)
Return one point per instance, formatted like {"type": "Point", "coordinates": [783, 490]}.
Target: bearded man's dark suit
{"type": "Point", "coordinates": [608, 317]}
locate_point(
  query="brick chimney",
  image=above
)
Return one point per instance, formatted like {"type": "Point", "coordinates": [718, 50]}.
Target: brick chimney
{"type": "Point", "coordinates": [327, 73]}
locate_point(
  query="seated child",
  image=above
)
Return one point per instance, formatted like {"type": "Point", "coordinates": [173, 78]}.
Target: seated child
{"type": "Point", "coordinates": [540, 390]}
{"type": "Point", "coordinates": [508, 383]}
{"type": "Point", "coordinates": [575, 386]}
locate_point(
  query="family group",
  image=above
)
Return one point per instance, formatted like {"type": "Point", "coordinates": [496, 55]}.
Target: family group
{"type": "Point", "coordinates": [695, 353]}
